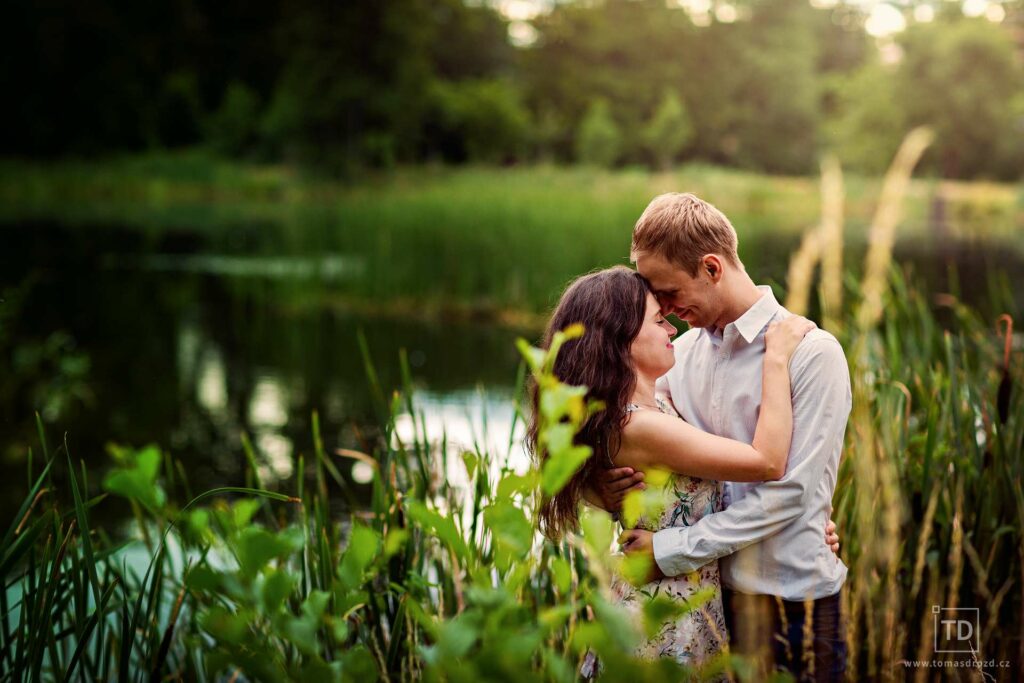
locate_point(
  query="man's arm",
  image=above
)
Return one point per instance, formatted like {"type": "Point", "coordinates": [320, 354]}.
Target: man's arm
{"type": "Point", "coordinates": [821, 405]}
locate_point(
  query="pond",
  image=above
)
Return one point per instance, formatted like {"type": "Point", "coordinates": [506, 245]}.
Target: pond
{"type": "Point", "coordinates": [189, 337]}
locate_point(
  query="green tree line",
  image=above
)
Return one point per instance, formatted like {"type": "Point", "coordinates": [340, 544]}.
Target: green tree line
{"type": "Point", "coordinates": [363, 83]}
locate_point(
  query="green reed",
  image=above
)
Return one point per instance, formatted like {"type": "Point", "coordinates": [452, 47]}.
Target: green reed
{"type": "Point", "coordinates": [429, 581]}
{"type": "Point", "coordinates": [459, 241]}
{"type": "Point", "coordinates": [443, 582]}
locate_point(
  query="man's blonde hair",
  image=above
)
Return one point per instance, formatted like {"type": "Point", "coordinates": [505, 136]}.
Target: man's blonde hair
{"type": "Point", "coordinates": [683, 229]}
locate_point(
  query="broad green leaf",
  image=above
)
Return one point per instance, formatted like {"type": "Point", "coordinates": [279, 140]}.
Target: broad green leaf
{"type": "Point", "coordinates": [659, 610]}
{"type": "Point", "coordinates": [225, 626]}
{"type": "Point", "coordinates": [561, 400]}
{"type": "Point", "coordinates": [443, 527]}
{"type": "Point", "coordinates": [635, 568]}
{"type": "Point", "coordinates": [301, 631]}
{"type": "Point", "coordinates": [512, 532]}
{"type": "Point", "coordinates": [558, 438]}
{"type": "Point", "coordinates": [277, 585]}
{"type": "Point", "coordinates": [316, 670]}
{"type": "Point", "coordinates": [315, 604]}
{"type": "Point", "coordinates": [203, 578]}
{"type": "Point", "coordinates": [363, 546]}
{"type": "Point", "coordinates": [598, 530]}
{"type": "Point", "coordinates": [136, 479]}
{"type": "Point", "coordinates": [533, 356]}
{"type": "Point", "coordinates": [458, 635]}
{"type": "Point", "coordinates": [472, 461]}
{"type": "Point", "coordinates": [357, 665]}
{"type": "Point", "coordinates": [650, 503]}
{"type": "Point", "coordinates": [256, 547]}
{"type": "Point", "coordinates": [553, 618]}
{"type": "Point", "coordinates": [560, 468]}
{"type": "Point", "coordinates": [395, 541]}
{"type": "Point", "coordinates": [242, 511]}
{"type": "Point", "coordinates": [561, 571]}
{"type": "Point", "coordinates": [620, 628]}
{"type": "Point", "coordinates": [512, 484]}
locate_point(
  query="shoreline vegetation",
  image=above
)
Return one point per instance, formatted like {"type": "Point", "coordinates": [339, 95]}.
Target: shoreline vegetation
{"type": "Point", "coordinates": [435, 581]}
{"type": "Point", "coordinates": [144, 185]}
{"type": "Point", "coordinates": [480, 223]}
{"type": "Point", "coordinates": [268, 585]}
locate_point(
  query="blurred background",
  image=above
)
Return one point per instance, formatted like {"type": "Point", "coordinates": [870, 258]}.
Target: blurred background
{"type": "Point", "coordinates": [204, 205]}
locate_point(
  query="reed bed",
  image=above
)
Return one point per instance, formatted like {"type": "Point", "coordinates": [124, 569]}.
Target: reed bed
{"type": "Point", "coordinates": [438, 580]}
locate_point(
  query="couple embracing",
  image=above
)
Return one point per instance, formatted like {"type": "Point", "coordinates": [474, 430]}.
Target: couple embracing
{"type": "Point", "coordinates": [747, 409]}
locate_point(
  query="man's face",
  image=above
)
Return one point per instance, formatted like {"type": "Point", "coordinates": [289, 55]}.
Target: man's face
{"type": "Point", "coordinates": [691, 299]}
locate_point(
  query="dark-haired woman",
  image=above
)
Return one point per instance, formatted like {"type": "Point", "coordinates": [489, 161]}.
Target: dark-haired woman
{"type": "Point", "coordinates": [626, 348]}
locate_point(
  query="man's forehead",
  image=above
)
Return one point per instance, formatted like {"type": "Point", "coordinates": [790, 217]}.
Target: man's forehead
{"type": "Point", "coordinates": [661, 275]}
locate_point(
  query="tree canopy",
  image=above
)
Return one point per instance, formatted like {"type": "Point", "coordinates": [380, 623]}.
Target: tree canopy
{"type": "Point", "coordinates": [362, 82]}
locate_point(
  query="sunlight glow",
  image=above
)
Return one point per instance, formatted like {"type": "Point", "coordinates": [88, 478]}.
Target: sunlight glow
{"type": "Point", "coordinates": [974, 8]}
{"type": "Point", "coordinates": [362, 472]}
{"type": "Point", "coordinates": [726, 13]}
{"type": "Point", "coordinates": [277, 451]}
{"type": "Point", "coordinates": [885, 20]}
{"type": "Point", "coordinates": [519, 10]}
{"type": "Point", "coordinates": [995, 13]}
{"type": "Point", "coordinates": [212, 386]}
{"type": "Point", "coordinates": [924, 14]}
{"type": "Point", "coordinates": [522, 33]}
{"type": "Point", "coordinates": [268, 405]}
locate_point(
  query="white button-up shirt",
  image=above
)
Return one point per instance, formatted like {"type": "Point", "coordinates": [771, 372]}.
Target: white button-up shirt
{"type": "Point", "coordinates": [770, 537]}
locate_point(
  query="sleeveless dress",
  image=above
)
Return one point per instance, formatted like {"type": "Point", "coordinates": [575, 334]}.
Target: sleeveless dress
{"type": "Point", "coordinates": [701, 634]}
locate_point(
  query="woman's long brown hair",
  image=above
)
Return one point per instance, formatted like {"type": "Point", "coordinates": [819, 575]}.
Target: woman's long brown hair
{"type": "Point", "coordinates": [610, 304]}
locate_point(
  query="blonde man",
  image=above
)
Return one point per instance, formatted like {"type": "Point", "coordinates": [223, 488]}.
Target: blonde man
{"type": "Point", "coordinates": [778, 579]}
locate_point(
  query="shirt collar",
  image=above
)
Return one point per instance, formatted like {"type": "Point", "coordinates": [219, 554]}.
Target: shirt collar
{"type": "Point", "coordinates": [757, 316]}
{"type": "Point", "coordinates": [750, 324]}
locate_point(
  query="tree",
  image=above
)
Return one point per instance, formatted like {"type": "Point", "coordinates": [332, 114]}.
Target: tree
{"type": "Point", "coordinates": [485, 119]}
{"type": "Point", "coordinates": [960, 77]}
{"type": "Point", "coordinates": [866, 124]}
{"type": "Point", "coordinates": [625, 52]}
{"type": "Point", "coordinates": [777, 98]}
{"type": "Point", "coordinates": [598, 140]}
{"type": "Point", "coordinates": [232, 127]}
{"type": "Point", "coordinates": [669, 131]}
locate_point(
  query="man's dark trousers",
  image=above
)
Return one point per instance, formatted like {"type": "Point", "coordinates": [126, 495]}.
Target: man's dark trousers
{"type": "Point", "coordinates": [808, 639]}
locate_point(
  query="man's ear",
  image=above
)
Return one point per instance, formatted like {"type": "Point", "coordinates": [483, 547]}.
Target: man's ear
{"type": "Point", "coordinates": [713, 267]}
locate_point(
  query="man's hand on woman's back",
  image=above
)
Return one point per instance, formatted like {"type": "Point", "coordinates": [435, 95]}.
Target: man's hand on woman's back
{"type": "Point", "coordinates": [611, 487]}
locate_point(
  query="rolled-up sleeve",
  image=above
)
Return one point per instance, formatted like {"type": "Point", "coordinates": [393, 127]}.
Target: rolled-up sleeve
{"type": "Point", "coordinates": [821, 405]}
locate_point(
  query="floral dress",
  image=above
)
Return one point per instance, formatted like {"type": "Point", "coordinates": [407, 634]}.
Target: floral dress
{"type": "Point", "coordinates": [695, 637]}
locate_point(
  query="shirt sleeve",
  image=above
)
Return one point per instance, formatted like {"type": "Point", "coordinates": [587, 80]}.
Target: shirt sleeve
{"type": "Point", "coordinates": [821, 404]}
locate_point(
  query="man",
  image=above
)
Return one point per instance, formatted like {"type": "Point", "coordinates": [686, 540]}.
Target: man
{"type": "Point", "coordinates": [781, 584]}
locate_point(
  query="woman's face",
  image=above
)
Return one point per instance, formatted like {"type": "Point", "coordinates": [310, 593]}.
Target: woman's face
{"type": "Point", "coordinates": [652, 349]}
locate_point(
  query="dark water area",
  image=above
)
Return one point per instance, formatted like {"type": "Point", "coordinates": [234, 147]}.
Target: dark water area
{"type": "Point", "coordinates": [113, 345]}
{"type": "Point", "coordinates": [187, 339]}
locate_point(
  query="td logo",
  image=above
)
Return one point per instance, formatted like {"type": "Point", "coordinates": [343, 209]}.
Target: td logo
{"type": "Point", "coordinates": [957, 629]}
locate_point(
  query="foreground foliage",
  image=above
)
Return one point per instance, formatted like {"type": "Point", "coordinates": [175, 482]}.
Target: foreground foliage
{"type": "Point", "coordinates": [441, 580]}
{"type": "Point", "coordinates": [444, 581]}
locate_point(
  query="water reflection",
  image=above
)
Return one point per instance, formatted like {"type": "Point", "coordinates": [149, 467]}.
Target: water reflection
{"type": "Point", "coordinates": [480, 421]}
{"type": "Point", "coordinates": [190, 338]}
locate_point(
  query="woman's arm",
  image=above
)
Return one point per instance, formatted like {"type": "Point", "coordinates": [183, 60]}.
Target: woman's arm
{"type": "Point", "coordinates": [653, 439]}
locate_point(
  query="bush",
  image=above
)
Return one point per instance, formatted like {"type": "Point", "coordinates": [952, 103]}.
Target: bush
{"type": "Point", "coordinates": [598, 140]}
{"type": "Point", "coordinates": [669, 131]}
{"type": "Point", "coordinates": [232, 127]}
{"type": "Point", "coordinates": [482, 119]}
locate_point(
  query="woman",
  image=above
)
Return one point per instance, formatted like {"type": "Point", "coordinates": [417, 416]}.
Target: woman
{"type": "Point", "coordinates": [625, 349]}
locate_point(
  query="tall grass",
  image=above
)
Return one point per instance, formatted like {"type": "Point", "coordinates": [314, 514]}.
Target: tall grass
{"type": "Point", "coordinates": [436, 238]}
{"type": "Point", "coordinates": [443, 580]}
{"type": "Point", "coordinates": [929, 489]}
